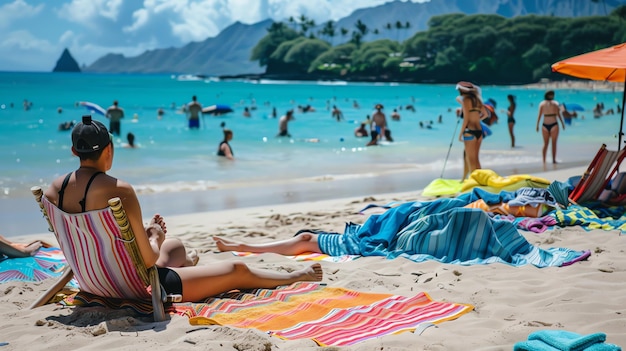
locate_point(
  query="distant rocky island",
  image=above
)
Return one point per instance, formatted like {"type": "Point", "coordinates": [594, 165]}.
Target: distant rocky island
{"type": "Point", "coordinates": [66, 63]}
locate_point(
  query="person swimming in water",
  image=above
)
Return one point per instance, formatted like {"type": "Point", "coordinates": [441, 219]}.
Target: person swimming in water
{"type": "Point", "coordinates": [224, 148]}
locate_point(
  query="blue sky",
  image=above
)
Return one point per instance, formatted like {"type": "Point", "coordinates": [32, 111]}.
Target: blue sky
{"type": "Point", "coordinates": [35, 32]}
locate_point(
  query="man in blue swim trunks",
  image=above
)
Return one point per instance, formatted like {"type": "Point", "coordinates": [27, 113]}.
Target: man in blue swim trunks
{"type": "Point", "coordinates": [194, 109]}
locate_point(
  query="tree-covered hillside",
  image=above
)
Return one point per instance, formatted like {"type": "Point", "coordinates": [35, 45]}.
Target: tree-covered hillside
{"type": "Point", "coordinates": [485, 48]}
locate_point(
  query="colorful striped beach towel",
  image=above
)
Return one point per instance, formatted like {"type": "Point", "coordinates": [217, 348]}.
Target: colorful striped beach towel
{"type": "Point", "coordinates": [591, 217]}
{"type": "Point", "coordinates": [46, 263]}
{"type": "Point", "coordinates": [328, 315]}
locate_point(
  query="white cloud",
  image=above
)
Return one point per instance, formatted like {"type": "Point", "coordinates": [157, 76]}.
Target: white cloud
{"type": "Point", "coordinates": [16, 11]}
{"type": "Point", "coordinates": [85, 11]}
{"type": "Point", "coordinates": [24, 40]}
{"type": "Point", "coordinates": [141, 17]}
{"type": "Point", "coordinates": [67, 37]}
{"type": "Point", "coordinates": [247, 11]}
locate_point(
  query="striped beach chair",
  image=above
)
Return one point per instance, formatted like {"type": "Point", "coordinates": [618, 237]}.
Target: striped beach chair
{"type": "Point", "coordinates": [102, 255]}
{"type": "Point", "coordinates": [597, 175]}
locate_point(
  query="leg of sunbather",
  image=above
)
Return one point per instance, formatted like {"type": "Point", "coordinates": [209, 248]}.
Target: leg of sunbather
{"type": "Point", "coordinates": [11, 249]}
{"type": "Point", "coordinates": [174, 254]}
{"type": "Point", "coordinates": [200, 282]}
{"type": "Point", "coordinates": [301, 243]}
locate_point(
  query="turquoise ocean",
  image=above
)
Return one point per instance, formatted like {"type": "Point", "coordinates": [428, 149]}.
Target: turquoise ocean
{"type": "Point", "coordinates": [175, 170]}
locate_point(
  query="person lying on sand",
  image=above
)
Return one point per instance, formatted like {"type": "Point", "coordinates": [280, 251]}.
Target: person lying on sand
{"type": "Point", "coordinates": [89, 188]}
{"type": "Point", "coordinates": [18, 250]}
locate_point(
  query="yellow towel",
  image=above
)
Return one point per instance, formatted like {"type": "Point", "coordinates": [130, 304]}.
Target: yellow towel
{"type": "Point", "coordinates": [488, 177]}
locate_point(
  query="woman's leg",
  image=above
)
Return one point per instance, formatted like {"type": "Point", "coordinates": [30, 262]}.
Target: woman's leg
{"type": "Point", "coordinates": [511, 125]}
{"type": "Point", "coordinates": [554, 135]}
{"type": "Point", "coordinates": [300, 243]}
{"type": "Point", "coordinates": [11, 249]}
{"type": "Point", "coordinates": [471, 150]}
{"type": "Point", "coordinates": [174, 254]}
{"type": "Point", "coordinates": [546, 138]}
{"type": "Point", "coordinates": [200, 282]}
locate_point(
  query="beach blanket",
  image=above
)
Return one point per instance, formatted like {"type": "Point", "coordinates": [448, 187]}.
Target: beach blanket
{"type": "Point", "coordinates": [485, 179]}
{"type": "Point", "coordinates": [556, 340]}
{"type": "Point", "coordinates": [328, 315]}
{"type": "Point", "coordinates": [492, 180]}
{"type": "Point", "coordinates": [309, 256]}
{"type": "Point", "coordinates": [593, 217]}
{"type": "Point", "coordinates": [46, 263]}
{"type": "Point", "coordinates": [445, 231]}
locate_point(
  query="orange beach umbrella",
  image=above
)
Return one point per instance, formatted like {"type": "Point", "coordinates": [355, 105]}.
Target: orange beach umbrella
{"type": "Point", "coordinates": [607, 64]}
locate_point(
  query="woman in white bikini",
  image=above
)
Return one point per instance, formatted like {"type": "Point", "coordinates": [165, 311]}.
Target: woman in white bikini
{"type": "Point", "coordinates": [550, 111]}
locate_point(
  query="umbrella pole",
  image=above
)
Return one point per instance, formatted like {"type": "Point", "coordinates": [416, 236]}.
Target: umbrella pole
{"type": "Point", "coordinates": [621, 122]}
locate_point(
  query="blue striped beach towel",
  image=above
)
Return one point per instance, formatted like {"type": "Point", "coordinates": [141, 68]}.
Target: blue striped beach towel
{"type": "Point", "coordinates": [445, 231]}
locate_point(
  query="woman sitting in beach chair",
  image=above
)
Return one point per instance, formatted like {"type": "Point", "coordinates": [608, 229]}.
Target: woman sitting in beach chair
{"type": "Point", "coordinates": [89, 188]}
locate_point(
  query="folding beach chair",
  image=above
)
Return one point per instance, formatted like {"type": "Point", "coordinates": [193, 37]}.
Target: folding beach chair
{"type": "Point", "coordinates": [102, 254]}
{"type": "Point", "coordinates": [596, 177]}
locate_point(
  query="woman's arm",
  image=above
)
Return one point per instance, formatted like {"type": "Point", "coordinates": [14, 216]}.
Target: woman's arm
{"type": "Point", "coordinates": [466, 107]}
{"type": "Point", "coordinates": [150, 238]}
{"type": "Point", "coordinates": [539, 114]}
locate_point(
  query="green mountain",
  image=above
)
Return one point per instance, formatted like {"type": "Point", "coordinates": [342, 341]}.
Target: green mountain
{"type": "Point", "coordinates": [229, 52]}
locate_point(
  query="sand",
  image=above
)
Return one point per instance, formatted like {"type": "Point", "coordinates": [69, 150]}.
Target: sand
{"type": "Point", "coordinates": [510, 302]}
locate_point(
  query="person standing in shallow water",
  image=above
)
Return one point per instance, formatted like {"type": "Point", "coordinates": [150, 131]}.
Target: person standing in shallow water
{"type": "Point", "coordinates": [224, 148]}
{"type": "Point", "coordinates": [115, 115]}
{"type": "Point", "coordinates": [194, 109]}
{"type": "Point", "coordinates": [551, 113]}
{"type": "Point", "coordinates": [471, 130]}
{"type": "Point", "coordinates": [282, 124]}
{"type": "Point", "coordinates": [510, 112]}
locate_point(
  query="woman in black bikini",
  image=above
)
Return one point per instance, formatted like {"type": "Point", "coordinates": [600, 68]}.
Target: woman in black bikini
{"type": "Point", "coordinates": [550, 111]}
{"type": "Point", "coordinates": [510, 112]}
{"type": "Point", "coordinates": [224, 148]}
{"type": "Point", "coordinates": [471, 130]}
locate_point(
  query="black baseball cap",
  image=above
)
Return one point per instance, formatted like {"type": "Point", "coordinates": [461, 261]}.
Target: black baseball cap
{"type": "Point", "coordinates": [89, 136]}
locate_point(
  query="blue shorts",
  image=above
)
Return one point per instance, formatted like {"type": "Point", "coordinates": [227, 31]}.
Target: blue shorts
{"type": "Point", "coordinates": [194, 123]}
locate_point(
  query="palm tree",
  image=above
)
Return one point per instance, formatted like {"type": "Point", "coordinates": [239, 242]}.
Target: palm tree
{"type": "Point", "coordinates": [398, 27]}
{"type": "Point", "coordinates": [292, 21]}
{"type": "Point", "coordinates": [329, 30]}
{"type": "Point", "coordinates": [276, 27]}
{"type": "Point", "coordinates": [303, 21]}
{"type": "Point", "coordinates": [361, 27]}
{"type": "Point", "coordinates": [344, 32]}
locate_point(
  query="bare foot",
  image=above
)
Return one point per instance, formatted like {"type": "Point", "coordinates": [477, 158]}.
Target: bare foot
{"type": "Point", "coordinates": [158, 220]}
{"type": "Point", "coordinates": [192, 256]}
{"type": "Point", "coordinates": [313, 273]}
{"type": "Point", "coordinates": [226, 245]}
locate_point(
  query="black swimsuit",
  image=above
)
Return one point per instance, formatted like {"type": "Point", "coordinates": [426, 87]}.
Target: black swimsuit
{"type": "Point", "coordinates": [549, 126]}
{"type": "Point", "coordinates": [219, 149]}
{"type": "Point", "coordinates": [169, 279]}
{"type": "Point", "coordinates": [473, 134]}
{"type": "Point", "coordinates": [64, 185]}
